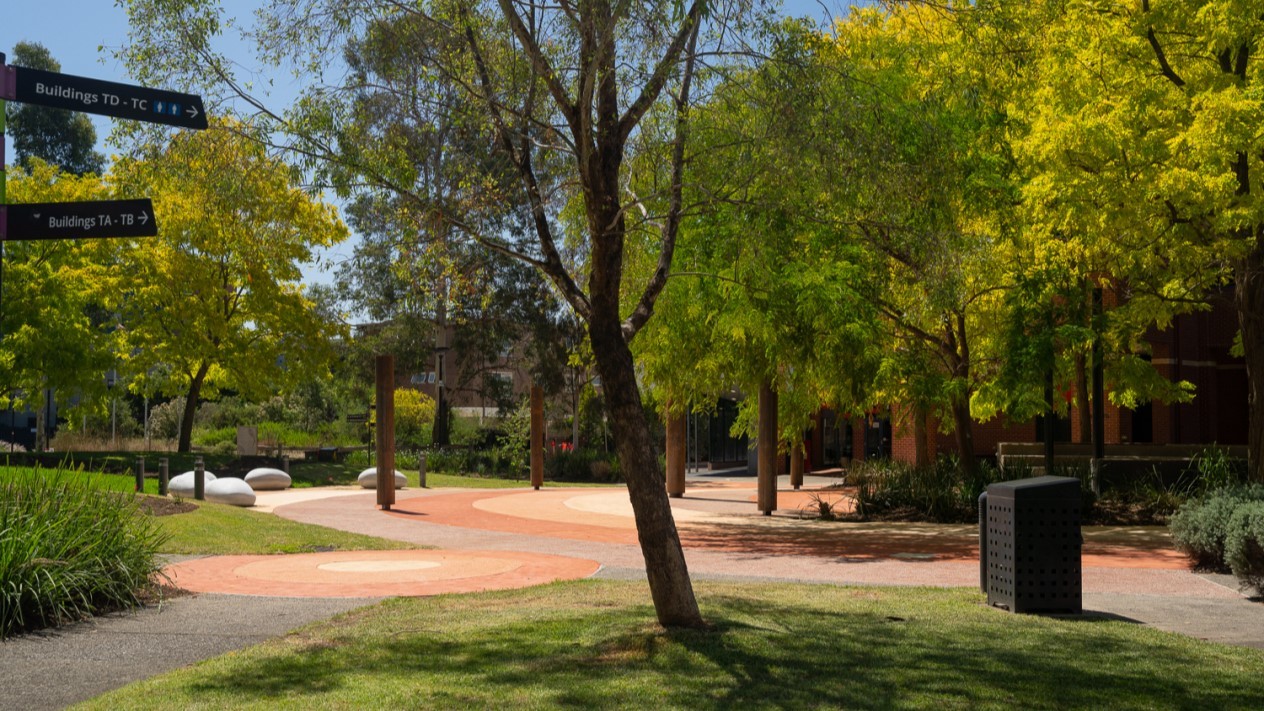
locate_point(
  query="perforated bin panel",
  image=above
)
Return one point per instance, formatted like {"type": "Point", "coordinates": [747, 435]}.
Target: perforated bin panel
{"type": "Point", "coordinates": [1033, 545]}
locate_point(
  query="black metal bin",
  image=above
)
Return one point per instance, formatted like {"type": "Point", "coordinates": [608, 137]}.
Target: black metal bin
{"type": "Point", "coordinates": [1033, 545]}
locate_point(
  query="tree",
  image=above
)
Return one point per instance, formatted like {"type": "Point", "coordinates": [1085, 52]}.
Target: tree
{"type": "Point", "coordinates": [555, 92]}
{"type": "Point", "coordinates": [214, 300]}
{"type": "Point", "coordinates": [58, 136]}
{"type": "Point", "coordinates": [1141, 146]}
{"type": "Point", "coordinates": [55, 336]}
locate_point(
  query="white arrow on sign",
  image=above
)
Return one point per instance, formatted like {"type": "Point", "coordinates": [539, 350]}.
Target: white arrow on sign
{"type": "Point", "coordinates": [193, 112]}
{"type": "Point", "coordinates": [144, 218]}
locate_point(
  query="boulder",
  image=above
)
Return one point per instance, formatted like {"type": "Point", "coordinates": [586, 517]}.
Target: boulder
{"type": "Point", "coordinates": [233, 492]}
{"type": "Point", "coordinates": [182, 485]}
{"type": "Point", "coordinates": [266, 479]}
{"type": "Point", "coordinates": [368, 479]}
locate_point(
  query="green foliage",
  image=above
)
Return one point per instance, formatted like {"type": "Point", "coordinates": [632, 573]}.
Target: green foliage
{"type": "Point", "coordinates": [1200, 527]}
{"type": "Point", "coordinates": [1244, 544]}
{"type": "Point", "coordinates": [582, 465]}
{"type": "Point", "coordinates": [414, 416]}
{"type": "Point", "coordinates": [234, 228]}
{"type": "Point", "coordinates": [60, 137]}
{"type": "Point", "coordinates": [69, 549]}
{"type": "Point", "coordinates": [942, 493]}
{"type": "Point", "coordinates": [513, 446]}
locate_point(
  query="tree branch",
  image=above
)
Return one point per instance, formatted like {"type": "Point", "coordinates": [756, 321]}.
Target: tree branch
{"type": "Point", "coordinates": [652, 88]}
{"type": "Point", "coordinates": [645, 307]}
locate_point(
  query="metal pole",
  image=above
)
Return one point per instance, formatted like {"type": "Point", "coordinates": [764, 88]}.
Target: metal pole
{"type": "Point", "coordinates": [140, 474]}
{"type": "Point", "coordinates": [199, 480]}
{"type": "Point", "coordinates": [163, 476]}
{"type": "Point", "coordinates": [7, 81]}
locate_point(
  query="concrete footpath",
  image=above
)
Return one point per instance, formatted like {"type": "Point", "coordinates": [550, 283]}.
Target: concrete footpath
{"type": "Point", "coordinates": [53, 669]}
{"type": "Point", "coordinates": [501, 538]}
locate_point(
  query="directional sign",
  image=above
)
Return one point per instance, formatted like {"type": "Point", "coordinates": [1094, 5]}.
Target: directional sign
{"type": "Point", "coordinates": [65, 91]}
{"type": "Point", "coordinates": [76, 220]}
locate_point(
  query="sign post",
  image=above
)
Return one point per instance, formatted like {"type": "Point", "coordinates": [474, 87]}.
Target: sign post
{"type": "Point", "coordinates": [80, 220]}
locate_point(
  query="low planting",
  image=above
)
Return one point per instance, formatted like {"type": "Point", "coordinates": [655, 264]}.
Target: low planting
{"type": "Point", "coordinates": [942, 493]}
{"type": "Point", "coordinates": [70, 548]}
{"type": "Point", "coordinates": [1225, 530]}
{"type": "Point", "coordinates": [592, 644]}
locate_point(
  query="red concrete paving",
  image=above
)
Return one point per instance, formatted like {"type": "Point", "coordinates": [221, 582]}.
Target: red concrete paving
{"type": "Point", "coordinates": [557, 534]}
{"type": "Point", "coordinates": [374, 573]}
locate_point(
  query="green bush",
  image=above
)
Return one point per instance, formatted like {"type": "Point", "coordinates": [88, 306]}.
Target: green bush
{"type": "Point", "coordinates": [1244, 544]}
{"type": "Point", "coordinates": [582, 465]}
{"type": "Point", "coordinates": [943, 492]}
{"type": "Point", "coordinates": [69, 550]}
{"type": "Point", "coordinates": [1201, 526]}
{"type": "Point", "coordinates": [211, 438]}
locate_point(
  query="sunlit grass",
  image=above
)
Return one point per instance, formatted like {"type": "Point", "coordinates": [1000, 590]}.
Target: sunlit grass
{"type": "Point", "coordinates": [593, 645]}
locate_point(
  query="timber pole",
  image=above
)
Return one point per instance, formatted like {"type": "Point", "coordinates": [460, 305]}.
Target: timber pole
{"type": "Point", "coordinates": [767, 448]}
{"type": "Point", "coordinates": [676, 436]}
{"type": "Point", "coordinates": [537, 437]}
{"type": "Point", "coordinates": [385, 399]}
{"type": "Point", "coordinates": [796, 465]}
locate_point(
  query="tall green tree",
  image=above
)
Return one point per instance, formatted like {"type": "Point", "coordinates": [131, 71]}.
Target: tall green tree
{"type": "Point", "coordinates": [1142, 144]}
{"type": "Point", "coordinates": [55, 336]}
{"type": "Point", "coordinates": [557, 91]}
{"type": "Point", "coordinates": [215, 301]}
{"type": "Point", "coordinates": [64, 138]}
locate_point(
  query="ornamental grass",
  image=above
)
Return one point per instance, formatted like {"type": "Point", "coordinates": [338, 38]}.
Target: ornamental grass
{"type": "Point", "coordinates": [70, 548]}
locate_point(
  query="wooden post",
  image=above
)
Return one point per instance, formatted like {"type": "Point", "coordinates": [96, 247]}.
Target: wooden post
{"type": "Point", "coordinates": [537, 436]}
{"type": "Point", "coordinates": [676, 423]}
{"type": "Point", "coordinates": [385, 399]}
{"type": "Point", "coordinates": [164, 476]}
{"type": "Point", "coordinates": [767, 446]}
{"type": "Point", "coordinates": [796, 465]}
{"type": "Point", "coordinates": [199, 480]}
{"type": "Point", "coordinates": [140, 475]}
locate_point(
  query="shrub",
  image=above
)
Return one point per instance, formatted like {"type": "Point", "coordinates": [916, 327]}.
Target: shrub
{"type": "Point", "coordinates": [942, 492]}
{"type": "Point", "coordinates": [69, 550]}
{"type": "Point", "coordinates": [1244, 544]}
{"type": "Point", "coordinates": [581, 465]}
{"type": "Point", "coordinates": [414, 417]}
{"type": "Point", "coordinates": [1200, 527]}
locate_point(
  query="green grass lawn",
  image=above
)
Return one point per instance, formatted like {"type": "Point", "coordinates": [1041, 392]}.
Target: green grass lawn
{"type": "Point", "coordinates": [228, 530]}
{"type": "Point", "coordinates": [592, 645]}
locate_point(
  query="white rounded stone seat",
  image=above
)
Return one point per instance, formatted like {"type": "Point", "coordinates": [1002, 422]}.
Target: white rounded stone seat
{"type": "Point", "coordinates": [231, 491]}
{"type": "Point", "coordinates": [182, 485]}
{"type": "Point", "coordinates": [368, 479]}
{"type": "Point", "coordinates": [268, 479]}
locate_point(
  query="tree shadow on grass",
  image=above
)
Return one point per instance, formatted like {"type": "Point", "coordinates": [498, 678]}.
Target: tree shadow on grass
{"type": "Point", "coordinates": [828, 647]}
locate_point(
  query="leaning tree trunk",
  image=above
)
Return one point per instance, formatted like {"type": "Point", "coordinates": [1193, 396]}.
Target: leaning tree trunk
{"type": "Point", "coordinates": [191, 400]}
{"type": "Point", "coordinates": [665, 566]}
{"type": "Point", "coordinates": [1249, 297]}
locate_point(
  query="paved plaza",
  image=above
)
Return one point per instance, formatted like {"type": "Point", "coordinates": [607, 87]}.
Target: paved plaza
{"type": "Point", "coordinates": [492, 539]}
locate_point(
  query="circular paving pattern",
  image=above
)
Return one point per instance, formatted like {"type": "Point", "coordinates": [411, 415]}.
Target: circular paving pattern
{"type": "Point", "coordinates": [374, 573]}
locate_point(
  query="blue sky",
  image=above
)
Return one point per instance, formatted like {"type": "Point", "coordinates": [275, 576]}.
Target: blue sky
{"type": "Point", "coordinates": [81, 34]}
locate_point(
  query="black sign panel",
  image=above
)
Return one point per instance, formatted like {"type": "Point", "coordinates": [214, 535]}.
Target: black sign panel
{"type": "Point", "coordinates": [65, 91]}
{"type": "Point", "coordinates": [78, 220]}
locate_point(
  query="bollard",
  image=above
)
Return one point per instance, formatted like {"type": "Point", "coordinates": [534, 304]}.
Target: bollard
{"type": "Point", "coordinates": [285, 463]}
{"type": "Point", "coordinates": [421, 470]}
{"type": "Point", "coordinates": [163, 476]}
{"type": "Point", "coordinates": [983, 535]}
{"type": "Point", "coordinates": [140, 475]}
{"type": "Point", "coordinates": [199, 480]}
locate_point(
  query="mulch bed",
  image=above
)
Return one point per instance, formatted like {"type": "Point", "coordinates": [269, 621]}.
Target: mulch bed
{"type": "Point", "coordinates": [162, 506]}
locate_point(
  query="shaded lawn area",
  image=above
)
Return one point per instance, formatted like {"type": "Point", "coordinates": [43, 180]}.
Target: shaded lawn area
{"type": "Point", "coordinates": [591, 644]}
